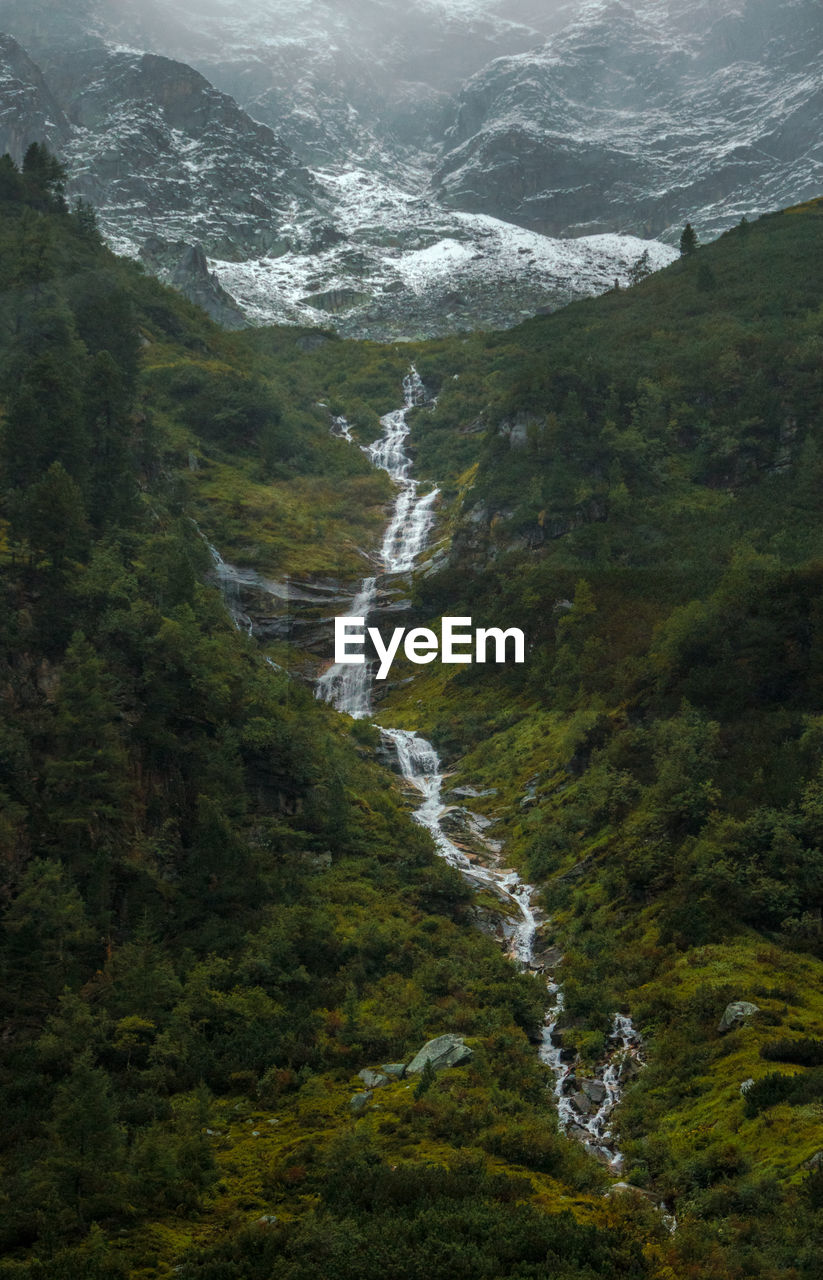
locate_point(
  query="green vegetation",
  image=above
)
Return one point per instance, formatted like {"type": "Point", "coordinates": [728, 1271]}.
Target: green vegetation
{"type": "Point", "coordinates": [215, 911]}
{"type": "Point", "coordinates": [645, 504]}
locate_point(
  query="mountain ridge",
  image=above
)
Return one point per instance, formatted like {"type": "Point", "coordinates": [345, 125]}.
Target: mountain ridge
{"type": "Point", "coordinates": [178, 171]}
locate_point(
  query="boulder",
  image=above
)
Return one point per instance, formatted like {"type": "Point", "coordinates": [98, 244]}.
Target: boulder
{"type": "Point", "coordinates": [735, 1015]}
{"type": "Point", "coordinates": [595, 1090]}
{"type": "Point", "coordinates": [372, 1079]}
{"type": "Point", "coordinates": [396, 1070]}
{"type": "Point", "coordinates": [360, 1102]}
{"type": "Point", "coordinates": [815, 1161]}
{"type": "Point", "coordinates": [582, 1103]}
{"type": "Point", "coordinates": [444, 1051]}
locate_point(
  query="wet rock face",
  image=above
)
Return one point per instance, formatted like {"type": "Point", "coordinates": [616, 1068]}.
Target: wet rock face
{"type": "Point", "coordinates": [635, 118]}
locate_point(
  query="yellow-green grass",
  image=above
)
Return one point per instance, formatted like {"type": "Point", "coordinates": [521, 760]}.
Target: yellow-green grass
{"type": "Point", "coordinates": [788, 989]}
{"type": "Point", "coordinates": [264, 1168]}
{"type": "Point", "coordinates": [305, 525]}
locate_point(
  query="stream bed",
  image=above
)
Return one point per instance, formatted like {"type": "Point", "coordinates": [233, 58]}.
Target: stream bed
{"type": "Point", "coordinates": [584, 1103]}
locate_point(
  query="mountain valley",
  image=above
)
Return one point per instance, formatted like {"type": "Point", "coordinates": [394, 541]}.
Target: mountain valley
{"type": "Point", "coordinates": [490, 970]}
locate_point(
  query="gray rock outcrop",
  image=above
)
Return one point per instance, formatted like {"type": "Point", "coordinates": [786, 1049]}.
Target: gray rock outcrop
{"type": "Point", "coordinates": [448, 1050]}
{"type": "Point", "coordinates": [584, 134]}
{"type": "Point", "coordinates": [735, 1014]}
{"type": "Point", "coordinates": [372, 1079]}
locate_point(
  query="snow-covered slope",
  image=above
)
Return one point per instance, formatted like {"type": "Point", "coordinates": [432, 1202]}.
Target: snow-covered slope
{"type": "Point", "coordinates": [160, 152]}
{"type": "Point", "coordinates": [171, 164]}
{"type": "Point", "coordinates": [338, 79]}
{"type": "Point", "coordinates": [639, 116]}
{"type": "Point", "coordinates": [405, 267]}
{"type": "Point", "coordinates": [565, 116]}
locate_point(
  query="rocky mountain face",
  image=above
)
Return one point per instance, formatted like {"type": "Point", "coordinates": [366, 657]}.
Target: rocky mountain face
{"type": "Point", "coordinates": [154, 146]}
{"type": "Point", "coordinates": [382, 166]}
{"type": "Point", "coordinates": [28, 110]}
{"type": "Point", "coordinates": [158, 150]}
{"type": "Point", "coordinates": [371, 80]}
{"type": "Point", "coordinates": [638, 117]}
{"type": "Point", "coordinates": [216, 203]}
{"type": "Point", "coordinates": [175, 168]}
{"type": "Point", "coordinates": [570, 118]}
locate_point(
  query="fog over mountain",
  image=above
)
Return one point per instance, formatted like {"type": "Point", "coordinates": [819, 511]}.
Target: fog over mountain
{"type": "Point", "coordinates": [371, 161]}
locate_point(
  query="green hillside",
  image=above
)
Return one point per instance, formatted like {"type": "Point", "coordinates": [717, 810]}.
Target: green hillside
{"type": "Point", "coordinates": [645, 502]}
{"type": "Point", "coordinates": [215, 909]}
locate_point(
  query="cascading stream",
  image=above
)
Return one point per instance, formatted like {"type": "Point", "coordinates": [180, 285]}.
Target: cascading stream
{"type": "Point", "coordinates": [348, 687]}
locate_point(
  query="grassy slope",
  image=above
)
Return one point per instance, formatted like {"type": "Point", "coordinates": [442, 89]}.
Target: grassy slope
{"type": "Point", "coordinates": [675, 437]}
{"type": "Point", "coordinates": [215, 910]}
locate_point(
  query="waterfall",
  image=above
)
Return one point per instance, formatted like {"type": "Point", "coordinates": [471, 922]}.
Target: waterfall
{"type": "Point", "coordinates": [348, 687]}
{"type": "Point", "coordinates": [230, 580]}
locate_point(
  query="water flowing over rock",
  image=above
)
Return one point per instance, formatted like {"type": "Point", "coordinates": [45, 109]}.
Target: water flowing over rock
{"type": "Point", "coordinates": [584, 1104]}
{"type": "Point", "coordinates": [348, 688]}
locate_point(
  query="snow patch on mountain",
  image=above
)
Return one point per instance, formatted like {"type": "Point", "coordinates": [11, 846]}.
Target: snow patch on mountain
{"type": "Point", "coordinates": [405, 267]}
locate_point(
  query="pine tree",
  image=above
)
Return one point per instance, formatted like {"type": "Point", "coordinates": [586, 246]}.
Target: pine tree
{"type": "Point", "coordinates": [85, 1152]}
{"type": "Point", "coordinates": [688, 241]}
{"type": "Point", "coordinates": [111, 490]}
{"type": "Point", "coordinates": [640, 269]}
{"type": "Point", "coordinates": [85, 219]}
{"type": "Point", "coordinates": [45, 421]}
{"type": "Point", "coordinates": [45, 930]}
{"type": "Point", "coordinates": [11, 181]}
{"type": "Point", "coordinates": [86, 781]}
{"type": "Point", "coordinates": [44, 179]}
{"type": "Point", "coordinates": [50, 517]}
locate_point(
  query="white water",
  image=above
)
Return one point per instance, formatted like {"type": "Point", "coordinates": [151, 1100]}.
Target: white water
{"type": "Point", "coordinates": [348, 687]}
